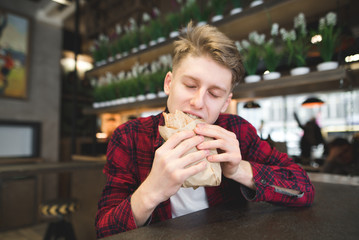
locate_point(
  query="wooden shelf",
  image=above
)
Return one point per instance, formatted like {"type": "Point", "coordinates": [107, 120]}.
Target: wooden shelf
{"type": "Point", "coordinates": [237, 27]}
{"type": "Point", "coordinates": [338, 79]}
{"type": "Point", "coordinates": [147, 55]}
{"type": "Point", "coordinates": [153, 103]}
{"type": "Point", "coordinates": [261, 17]}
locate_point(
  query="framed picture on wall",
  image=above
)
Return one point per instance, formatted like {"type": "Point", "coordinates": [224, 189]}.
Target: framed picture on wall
{"type": "Point", "coordinates": [14, 54]}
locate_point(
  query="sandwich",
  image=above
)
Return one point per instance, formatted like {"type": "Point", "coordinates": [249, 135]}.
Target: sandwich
{"type": "Point", "coordinates": [180, 121]}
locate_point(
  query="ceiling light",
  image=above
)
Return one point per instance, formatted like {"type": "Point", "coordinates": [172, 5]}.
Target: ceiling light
{"type": "Point", "coordinates": [352, 58]}
{"type": "Point", "coordinates": [316, 38]}
{"type": "Point", "coordinates": [312, 102]}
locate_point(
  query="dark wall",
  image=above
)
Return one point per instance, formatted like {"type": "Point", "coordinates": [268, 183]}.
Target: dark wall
{"type": "Point", "coordinates": [43, 102]}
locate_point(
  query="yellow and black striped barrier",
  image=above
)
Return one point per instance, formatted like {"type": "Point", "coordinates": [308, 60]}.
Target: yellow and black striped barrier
{"type": "Point", "coordinates": [59, 208]}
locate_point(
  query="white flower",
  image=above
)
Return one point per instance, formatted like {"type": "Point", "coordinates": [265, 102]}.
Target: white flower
{"type": "Point", "coordinates": [299, 20]}
{"type": "Point", "coordinates": [252, 36]}
{"type": "Point", "coordinates": [102, 81]}
{"type": "Point", "coordinates": [300, 23]}
{"type": "Point", "coordinates": [93, 82]}
{"type": "Point", "coordinates": [238, 45]}
{"type": "Point", "coordinates": [127, 29]}
{"type": "Point", "coordinates": [261, 39]}
{"type": "Point", "coordinates": [135, 69]}
{"type": "Point", "coordinates": [103, 38]}
{"type": "Point", "coordinates": [245, 44]}
{"type": "Point", "coordinates": [321, 23]}
{"type": "Point", "coordinates": [275, 29]}
{"type": "Point", "coordinates": [121, 75]}
{"type": "Point", "coordinates": [288, 36]}
{"type": "Point", "coordinates": [256, 38]}
{"type": "Point", "coordinates": [154, 67]}
{"type": "Point", "coordinates": [156, 11]}
{"type": "Point", "coordinates": [146, 17]}
{"type": "Point", "coordinates": [147, 71]}
{"type": "Point", "coordinates": [129, 75]}
{"type": "Point", "coordinates": [331, 18]}
{"type": "Point", "coordinates": [118, 29]}
{"type": "Point", "coordinates": [133, 24]}
{"type": "Point", "coordinates": [108, 78]}
{"type": "Point", "coordinates": [292, 35]}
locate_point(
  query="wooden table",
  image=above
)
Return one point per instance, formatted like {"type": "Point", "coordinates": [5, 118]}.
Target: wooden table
{"type": "Point", "coordinates": [333, 215]}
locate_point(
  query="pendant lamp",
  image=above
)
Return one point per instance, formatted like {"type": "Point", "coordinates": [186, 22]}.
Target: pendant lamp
{"type": "Point", "coordinates": [312, 102]}
{"type": "Point", "coordinates": [251, 104]}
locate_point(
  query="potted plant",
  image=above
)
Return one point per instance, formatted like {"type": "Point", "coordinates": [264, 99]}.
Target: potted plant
{"type": "Point", "coordinates": [125, 43]}
{"type": "Point", "coordinates": [237, 7]}
{"type": "Point", "coordinates": [251, 51]}
{"type": "Point", "coordinates": [218, 7]}
{"type": "Point", "coordinates": [156, 32]}
{"type": "Point", "coordinates": [200, 14]}
{"type": "Point", "coordinates": [100, 50]}
{"type": "Point", "coordinates": [141, 87]}
{"type": "Point", "coordinates": [272, 54]}
{"type": "Point", "coordinates": [173, 20]}
{"type": "Point", "coordinates": [145, 36]}
{"type": "Point", "coordinates": [330, 35]}
{"type": "Point", "coordinates": [297, 44]}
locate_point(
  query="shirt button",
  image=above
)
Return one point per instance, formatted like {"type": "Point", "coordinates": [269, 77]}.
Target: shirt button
{"type": "Point", "coordinates": [263, 181]}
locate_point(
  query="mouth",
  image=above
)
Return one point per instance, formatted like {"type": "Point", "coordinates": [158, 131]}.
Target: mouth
{"type": "Point", "coordinates": [193, 115]}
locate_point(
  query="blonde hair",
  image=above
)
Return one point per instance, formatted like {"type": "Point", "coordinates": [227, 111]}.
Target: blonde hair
{"type": "Point", "coordinates": [209, 41]}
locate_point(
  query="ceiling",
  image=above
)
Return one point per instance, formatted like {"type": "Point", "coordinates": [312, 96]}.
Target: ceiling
{"type": "Point", "coordinates": [96, 16]}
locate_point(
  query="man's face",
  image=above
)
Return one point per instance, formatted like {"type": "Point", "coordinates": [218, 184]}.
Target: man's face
{"type": "Point", "coordinates": [199, 86]}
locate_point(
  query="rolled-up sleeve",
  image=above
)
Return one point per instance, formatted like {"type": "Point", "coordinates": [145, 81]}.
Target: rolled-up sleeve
{"type": "Point", "coordinates": [273, 173]}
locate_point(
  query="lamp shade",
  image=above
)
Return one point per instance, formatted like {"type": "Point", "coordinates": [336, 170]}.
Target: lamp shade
{"type": "Point", "coordinates": [251, 104]}
{"type": "Point", "coordinates": [312, 102]}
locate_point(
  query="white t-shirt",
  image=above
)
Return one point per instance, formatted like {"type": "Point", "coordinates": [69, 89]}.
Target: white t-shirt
{"type": "Point", "coordinates": [188, 200]}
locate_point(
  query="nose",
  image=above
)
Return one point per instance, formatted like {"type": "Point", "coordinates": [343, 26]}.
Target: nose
{"type": "Point", "coordinates": [197, 100]}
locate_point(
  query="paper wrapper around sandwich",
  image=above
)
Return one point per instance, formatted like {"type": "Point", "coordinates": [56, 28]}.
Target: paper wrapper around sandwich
{"type": "Point", "coordinates": [180, 121]}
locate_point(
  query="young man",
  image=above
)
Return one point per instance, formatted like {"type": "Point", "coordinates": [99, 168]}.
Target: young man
{"type": "Point", "coordinates": [145, 174]}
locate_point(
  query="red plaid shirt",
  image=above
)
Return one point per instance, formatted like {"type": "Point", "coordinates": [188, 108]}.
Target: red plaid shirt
{"type": "Point", "coordinates": [129, 160]}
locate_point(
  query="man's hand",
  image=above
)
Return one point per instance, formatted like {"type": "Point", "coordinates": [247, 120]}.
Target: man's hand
{"type": "Point", "coordinates": [168, 173]}
{"type": "Point", "coordinates": [229, 154]}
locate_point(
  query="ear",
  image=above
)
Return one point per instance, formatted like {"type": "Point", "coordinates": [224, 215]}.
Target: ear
{"type": "Point", "coordinates": [167, 83]}
{"type": "Point", "coordinates": [226, 103]}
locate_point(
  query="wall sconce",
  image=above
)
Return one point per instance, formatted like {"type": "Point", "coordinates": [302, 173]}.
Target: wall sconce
{"type": "Point", "coordinates": [84, 63]}
{"type": "Point", "coordinates": [312, 102]}
{"type": "Point", "coordinates": [251, 105]}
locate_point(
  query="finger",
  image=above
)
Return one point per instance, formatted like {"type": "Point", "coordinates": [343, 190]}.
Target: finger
{"type": "Point", "coordinates": [193, 170]}
{"type": "Point", "coordinates": [211, 144]}
{"type": "Point", "coordinates": [177, 138]}
{"type": "Point", "coordinates": [187, 145]}
{"type": "Point", "coordinates": [218, 158]}
{"type": "Point", "coordinates": [193, 158]}
{"type": "Point", "coordinates": [213, 131]}
{"type": "Point", "coordinates": [224, 157]}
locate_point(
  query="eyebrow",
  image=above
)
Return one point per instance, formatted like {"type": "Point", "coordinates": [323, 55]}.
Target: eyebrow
{"type": "Point", "coordinates": [211, 87]}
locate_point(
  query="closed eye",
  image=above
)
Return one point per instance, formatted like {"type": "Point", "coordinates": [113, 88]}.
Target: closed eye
{"type": "Point", "coordinates": [214, 95]}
